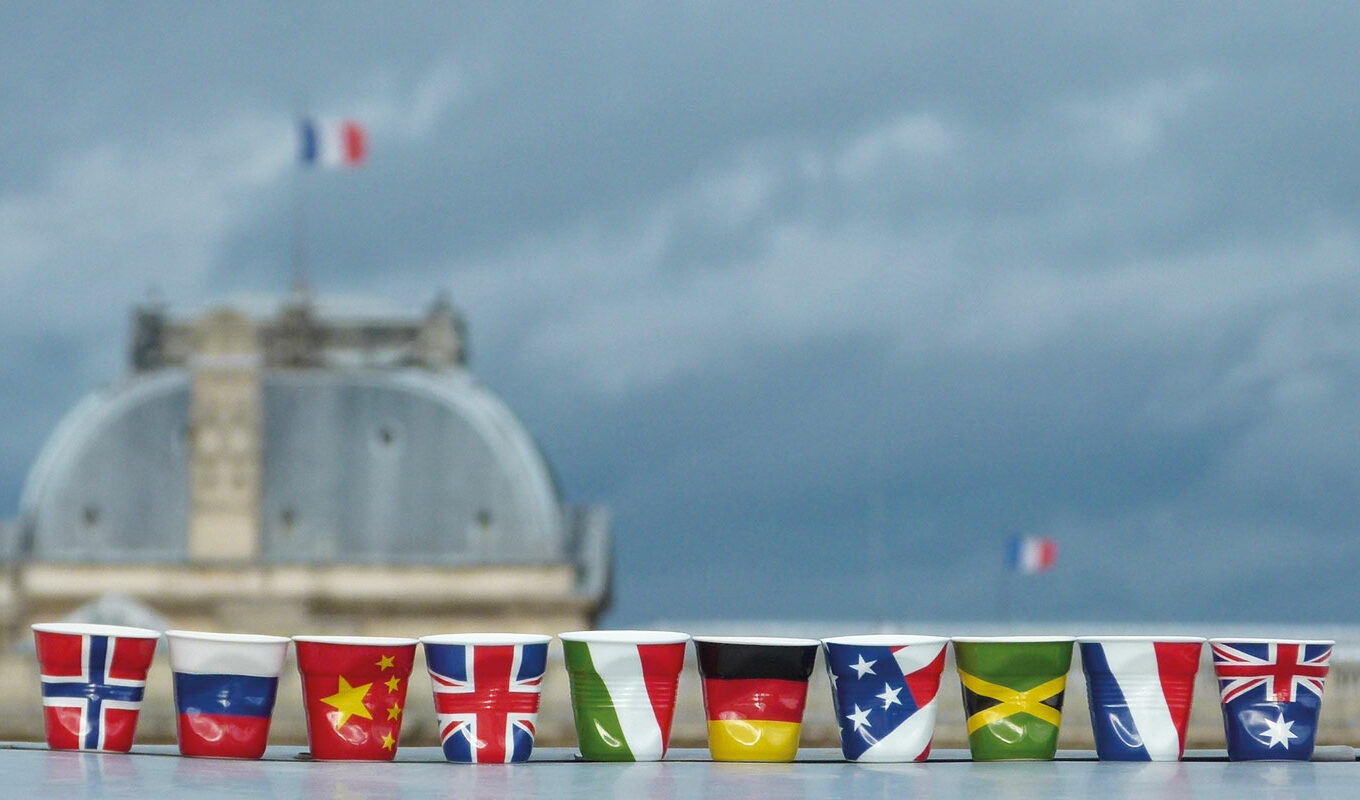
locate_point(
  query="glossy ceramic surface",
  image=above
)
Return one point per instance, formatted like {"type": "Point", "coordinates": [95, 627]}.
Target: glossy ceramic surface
{"type": "Point", "coordinates": [93, 680]}
{"type": "Point", "coordinates": [883, 690]}
{"type": "Point", "coordinates": [354, 692]}
{"type": "Point", "coordinates": [1013, 694]}
{"type": "Point", "coordinates": [486, 694]}
{"type": "Point", "coordinates": [1139, 691]}
{"type": "Point", "coordinates": [1271, 694]}
{"type": "Point", "coordinates": [623, 691]}
{"type": "Point", "coordinates": [225, 686]}
{"type": "Point", "coordinates": [755, 690]}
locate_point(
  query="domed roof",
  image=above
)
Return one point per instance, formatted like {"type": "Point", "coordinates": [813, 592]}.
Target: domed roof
{"type": "Point", "coordinates": [381, 466]}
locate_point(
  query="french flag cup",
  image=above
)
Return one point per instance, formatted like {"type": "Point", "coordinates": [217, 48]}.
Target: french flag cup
{"type": "Point", "coordinates": [1139, 691]}
{"type": "Point", "coordinates": [93, 681]}
{"type": "Point", "coordinates": [225, 685]}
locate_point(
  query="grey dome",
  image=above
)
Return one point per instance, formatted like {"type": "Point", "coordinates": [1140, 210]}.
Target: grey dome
{"type": "Point", "coordinates": [374, 466]}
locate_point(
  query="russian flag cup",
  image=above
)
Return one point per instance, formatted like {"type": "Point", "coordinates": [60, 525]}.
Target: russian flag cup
{"type": "Point", "coordinates": [1271, 694]}
{"type": "Point", "coordinates": [225, 686]}
{"type": "Point", "coordinates": [486, 693]}
{"type": "Point", "coordinates": [1013, 690]}
{"type": "Point", "coordinates": [93, 680]}
{"type": "Point", "coordinates": [755, 690]}
{"type": "Point", "coordinates": [1139, 690]}
{"type": "Point", "coordinates": [354, 694]}
{"type": "Point", "coordinates": [883, 690]}
{"type": "Point", "coordinates": [623, 691]}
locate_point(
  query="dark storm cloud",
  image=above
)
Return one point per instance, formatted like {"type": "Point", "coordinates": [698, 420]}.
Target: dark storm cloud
{"type": "Point", "coordinates": [823, 299]}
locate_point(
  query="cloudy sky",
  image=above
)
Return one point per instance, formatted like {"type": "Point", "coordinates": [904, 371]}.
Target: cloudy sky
{"type": "Point", "coordinates": [827, 301]}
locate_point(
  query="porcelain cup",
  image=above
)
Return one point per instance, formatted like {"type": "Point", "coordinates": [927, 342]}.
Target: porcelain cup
{"type": "Point", "coordinates": [623, 691]}
{"type": "Point", "coordinates": [354, 693]}
{"type": "Point", "coordinates": [486, 693]}
{"type": "Point", "coordinates": [1139, 690]}
{"type": "Point", "coordinates": [883, 690]}
{"type": "Point", "coordinates": [1271, 694]}
{"type": "Point", "coordinates": [93, 681]}
{"type": "Point", "coordinates": [225, 687]}
{"type": "Point", "coordinates": [1013, 694]}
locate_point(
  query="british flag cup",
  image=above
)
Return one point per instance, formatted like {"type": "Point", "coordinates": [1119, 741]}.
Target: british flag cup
{"type": "Point", "coordinates": [1271, 692]}
{"type": "Point", "coordinates": [486, 693]}
{"type": "Point", "coordinates": [93, 680]}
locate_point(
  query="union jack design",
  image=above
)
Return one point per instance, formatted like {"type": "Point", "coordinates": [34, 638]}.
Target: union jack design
{"type": "Point", "coordinates": [1281, 668]}
{"type": "Point", "coordinates": [486, 698]}
{"type": "Point", "coordinates": [91, 697]}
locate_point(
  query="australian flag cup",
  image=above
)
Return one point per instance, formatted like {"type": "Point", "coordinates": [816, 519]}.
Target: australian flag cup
{"type": "Point", "coordinates": [225, 685]}
{"type": "Point", "coordinates": [1271, 691]}
{"type": "Point", "coordinates": [93, 680]}
{"type": "Point", "coordinates": [884, 690]}
{"type": "Point", "coordinates": [1139, 691]}
{"type": "Point", "coordinates": [486, 692]}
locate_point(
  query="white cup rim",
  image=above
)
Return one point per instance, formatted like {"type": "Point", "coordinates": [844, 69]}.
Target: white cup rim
{"type": "Point", "coordinates": [226, 638]}
{"type": "Point", "coordinates": [1251, 640]}
{"type": "Point", "coordinates": [95, 629]}
{"type": "Point", "coordinates": [487, 639]}
{"type": "Point", "coordinates": [1122, 638]}
{"type": "Point", "coordinates": [760, 641]}
{"type": "Point", "coordinates": [625, 637]}
{"type": "Point", "coordinates": [1012, 639]}
{"type": "Point", "coordinates": [885, 639]}
{"type": "Point", "coordinates": [368, 641]}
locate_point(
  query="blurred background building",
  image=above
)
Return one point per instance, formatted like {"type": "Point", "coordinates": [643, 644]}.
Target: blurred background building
{"type": "Point", "coordinates": [302, 470]}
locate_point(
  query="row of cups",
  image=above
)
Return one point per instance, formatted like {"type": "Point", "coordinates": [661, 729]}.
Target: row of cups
{"type": "Point", "coordinates": [623, 689]}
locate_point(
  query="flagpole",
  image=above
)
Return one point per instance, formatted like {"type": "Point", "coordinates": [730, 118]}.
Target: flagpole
{"type": "Point", "coordinates": [299, 209]}
{"type": "Point", "coordinates": [1003, 589]}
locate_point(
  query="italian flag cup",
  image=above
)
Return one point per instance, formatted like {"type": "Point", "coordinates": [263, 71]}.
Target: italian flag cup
{"type": "Point", "coordinates": [623, 691]}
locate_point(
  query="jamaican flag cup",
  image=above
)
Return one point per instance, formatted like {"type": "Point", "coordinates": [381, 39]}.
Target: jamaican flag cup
{"type": "Point", "coordinates": [623, 691]}
{"type": "Point", "coordinates": [755, 689]}
{"type": "Point", "coordinates": [1013, 693]}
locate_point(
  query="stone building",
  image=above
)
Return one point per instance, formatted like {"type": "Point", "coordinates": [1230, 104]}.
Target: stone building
{"type": "Point", "coordinates": [302, 470]}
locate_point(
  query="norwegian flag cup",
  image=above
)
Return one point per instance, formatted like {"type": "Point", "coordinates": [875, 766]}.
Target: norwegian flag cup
{"type": "Point", "coordinates": [1139, 690]}
{"type": "Point", "coordinates": [486, 692]}
{"type": "Point", "coordinates": [1271, 694]}
{"type": "Point", "coordinates": [225, 686]}
{"type": "Point", "coordinates": [354, 694]}
{"type": "Point", "coordinates": [623, 691]}
{"type": "Point", "coordinates": [883, 690]}
{"type": "Point", "coordinates": [93, 681]}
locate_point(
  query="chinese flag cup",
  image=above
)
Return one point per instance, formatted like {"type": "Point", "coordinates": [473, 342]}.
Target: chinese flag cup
{"type": "Point", "coordinates": [93, 680]}
{"type": "Point", "coordinates": [486, 692]}
{"type": "Point", "coordinates": [1139, 690]}
{"type": "Point", "coordinates": [354, 693]}
{"type": "Point", "coordinates": [623, 691]}
{"type": "Point", "coordinates": [883, 690]}
{"type": "Point", "coordinates": [755, 689]}
{"type": "Point", "coordinates": [1271, 694]}
{"type": "Point", "coordinates": [1013, 693]}
{"type": "Point", "coordinates": [225, 685]}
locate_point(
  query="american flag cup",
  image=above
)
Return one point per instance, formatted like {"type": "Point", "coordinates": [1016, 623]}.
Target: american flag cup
{"type": "Point", "coordinates": [93, 681]}
{"type": "Point", "coordinates": [486, 693]}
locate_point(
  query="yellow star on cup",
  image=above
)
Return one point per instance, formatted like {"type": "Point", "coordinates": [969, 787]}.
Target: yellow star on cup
{"type": "Point", "coordinates": [385, 662]}
{"type": "Point", "coordinates": [388, 741]}
{"type": "Point", "coordinates": [349, 701]}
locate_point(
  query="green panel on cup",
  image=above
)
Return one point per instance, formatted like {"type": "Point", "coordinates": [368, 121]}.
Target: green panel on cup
{"type": "Point", "coordinates": [1012, 694]}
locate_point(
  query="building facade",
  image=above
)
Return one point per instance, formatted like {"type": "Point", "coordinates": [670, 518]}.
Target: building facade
{"type": "Point", "coordinates": [302, 470]}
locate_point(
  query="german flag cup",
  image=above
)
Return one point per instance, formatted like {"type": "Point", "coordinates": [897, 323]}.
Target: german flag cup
{"type": "Point", "coordinates": [755, 689]}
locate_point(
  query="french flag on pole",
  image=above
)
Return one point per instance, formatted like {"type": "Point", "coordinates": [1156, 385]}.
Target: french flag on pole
{"type": "Point", "coordinates": [333, 143]}
{"type": "Point", "coordinates": [1030, 554]}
